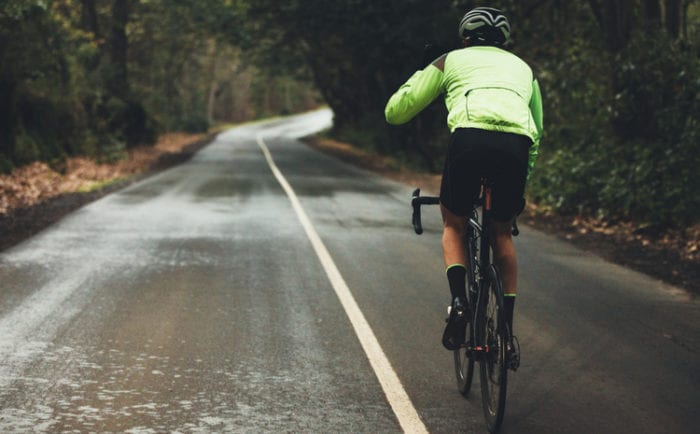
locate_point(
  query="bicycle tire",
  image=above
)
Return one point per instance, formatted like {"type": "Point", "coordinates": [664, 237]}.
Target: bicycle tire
{"type": "Point", "coordinates": [464, 366]}
{"type": "Point", "coordinates": [493, 366]}
{"type": "Point", "coordinates": [463, 360]}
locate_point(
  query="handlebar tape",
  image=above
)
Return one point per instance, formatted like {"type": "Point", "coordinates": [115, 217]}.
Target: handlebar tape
{"type": "Point", "coordinates": [416, 202]}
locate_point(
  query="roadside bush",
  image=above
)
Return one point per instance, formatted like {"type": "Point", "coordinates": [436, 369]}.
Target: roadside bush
{"type": "Point", "coordinates": [46, 128]}
{"type": "Point", "coordinates": [6, 165]}
{"type": "Point", "coordinates": [26, 148]}
{"type": "Point", "coordinates": [640, 164]}
{"type": "Point", "coordinates": [139, 128]}
{"type": "Point", "coordinates": [195, 123]}
{"type": "Point", "coordinates": [129, 121]}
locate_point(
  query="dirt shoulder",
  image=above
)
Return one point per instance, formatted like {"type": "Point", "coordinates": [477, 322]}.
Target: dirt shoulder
{"type": "Point", "coordinates": [671, 256]}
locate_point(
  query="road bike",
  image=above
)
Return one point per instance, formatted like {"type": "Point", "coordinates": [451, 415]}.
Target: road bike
{"type": "Point", "coordinates": [488, 338]}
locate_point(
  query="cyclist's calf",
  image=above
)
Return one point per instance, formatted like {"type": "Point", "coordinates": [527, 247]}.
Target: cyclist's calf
{"type": "Point", "coordinates": [454, 230]}
{"type": "Point", "coordinates": [504, 252]}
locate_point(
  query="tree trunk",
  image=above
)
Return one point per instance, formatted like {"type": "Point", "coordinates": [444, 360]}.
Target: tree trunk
{"type": "Point", "coordinates": [673, 17]}
{"type": "Point", "coordinates": [7, 118]}
{"type": "Point", "coordinates": [88, 18]}
{"type": "Point", "coordinates": [684, 18]}
{"type": "Point", "coordinates": [213, 83]}
{"type": "Point", "coordinates": [117, 81]}
{"type": "Point", "coordinates": [614, 19]}
{"type": "Point", "coordinates": [652, 12]}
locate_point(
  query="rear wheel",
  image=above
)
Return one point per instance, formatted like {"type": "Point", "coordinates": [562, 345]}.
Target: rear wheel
{"type": "Point", "coordinates": [493, 366]}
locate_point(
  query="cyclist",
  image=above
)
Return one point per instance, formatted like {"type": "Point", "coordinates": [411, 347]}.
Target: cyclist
{"type": "Point", "coordinates": [495, 117]}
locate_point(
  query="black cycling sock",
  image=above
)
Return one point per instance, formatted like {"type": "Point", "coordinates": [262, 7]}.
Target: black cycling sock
{"type": "Point", "coordinates": [457, 278]}
{"type": "Point", "coordinates": [508, 307]}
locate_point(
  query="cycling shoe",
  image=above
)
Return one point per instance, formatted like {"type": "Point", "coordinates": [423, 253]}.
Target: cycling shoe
{"type": "Point", "coordinates": [456, 329]}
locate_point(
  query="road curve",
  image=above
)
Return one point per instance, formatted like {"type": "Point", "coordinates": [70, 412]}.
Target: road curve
{"type": "Point", "coordinates": [194, 301]}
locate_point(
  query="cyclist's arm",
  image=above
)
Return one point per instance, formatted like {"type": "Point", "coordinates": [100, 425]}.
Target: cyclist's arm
{"type": "Point", "coordinates": [416, 94]}
{"type": "Point", "coordinates": [536, 109]}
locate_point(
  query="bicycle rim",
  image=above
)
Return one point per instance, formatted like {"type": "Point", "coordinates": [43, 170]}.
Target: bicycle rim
{"type": "Point", "coordinates": [493, 368]}
{"type": "Point", "coordinates": [464, 367]}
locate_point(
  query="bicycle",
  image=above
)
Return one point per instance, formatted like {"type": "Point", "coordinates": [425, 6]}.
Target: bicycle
{"type": "Point", "coordinates": [488, 339]}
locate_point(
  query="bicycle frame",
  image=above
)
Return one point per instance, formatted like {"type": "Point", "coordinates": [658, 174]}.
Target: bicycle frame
{"type": "Point", "coordinates": [477, 243]}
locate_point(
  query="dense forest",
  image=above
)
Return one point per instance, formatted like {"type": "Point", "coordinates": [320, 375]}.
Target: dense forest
{"type": "Point", "coordinates": [620, 80]}
{"type": "Point", "coordinates": [95, 77]}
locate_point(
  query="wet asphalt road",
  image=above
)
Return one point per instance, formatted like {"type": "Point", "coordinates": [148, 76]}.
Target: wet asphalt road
{"type": "Point", "coordinates": [193, 301]}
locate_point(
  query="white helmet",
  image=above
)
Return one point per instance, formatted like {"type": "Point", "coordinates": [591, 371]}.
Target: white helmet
{"type": "Point", "coordinates": [486, 26]}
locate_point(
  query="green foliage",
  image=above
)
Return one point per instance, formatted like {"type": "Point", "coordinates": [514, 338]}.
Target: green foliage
{"type": "Point", "coordinates": [129, 121]}
{"type": "Point", "coordinates": [358, 52]}
{"type": "Point", "coordinates": [658, 84]}
{"type": "Point", "coordinates": [186, 67]}
{"type": "Point", "coordinates": [37, 119]}
{"type": "Point", "coordinates": [111, 149]}
{"type": "Point", "coordinates": [626, 143]}
{"type": "Point", "coordinates": [27, 148]}
{"type": "Point", "coordinates": [195, 124]}
{"type": "Point", "coordinates": [94, 78]}
{"type": "Point", "coordinates": [6, 165]}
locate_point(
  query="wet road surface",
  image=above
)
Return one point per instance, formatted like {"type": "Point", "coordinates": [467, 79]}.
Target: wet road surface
{"type": "Point", "coordinates": [194, 301]}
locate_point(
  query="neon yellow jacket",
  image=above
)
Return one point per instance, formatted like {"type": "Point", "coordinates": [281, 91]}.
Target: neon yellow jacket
{"type": "Point", "coordinates": [484, 87]}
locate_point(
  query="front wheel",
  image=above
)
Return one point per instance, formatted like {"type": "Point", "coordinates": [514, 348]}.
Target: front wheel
{"type": "Point", "coordinates": [494, 335]}
{"type": "Point", "coordinates": [464, 365]}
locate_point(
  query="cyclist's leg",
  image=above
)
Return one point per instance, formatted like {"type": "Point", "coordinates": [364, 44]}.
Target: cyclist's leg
{"type": "Point", "coordinates": [508, 169]}
{"type": "Point", "coordinates": [453, 231]}
{"type": "Point", "coordinates": [505, 258]}
{"type": "Point", "coordinates": [455, 262]}
{"type": "Point", "coordinates": [507, 263]}
{"type": "Point", "coordinates": [459, 187]}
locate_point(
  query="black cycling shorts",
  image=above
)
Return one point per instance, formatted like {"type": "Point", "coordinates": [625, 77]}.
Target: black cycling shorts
{"type": "Point", "coordinates": [501, 157]}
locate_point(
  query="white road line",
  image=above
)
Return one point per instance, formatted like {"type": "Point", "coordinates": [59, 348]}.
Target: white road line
{"type": "Point", "coordinates": [395, 393]}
